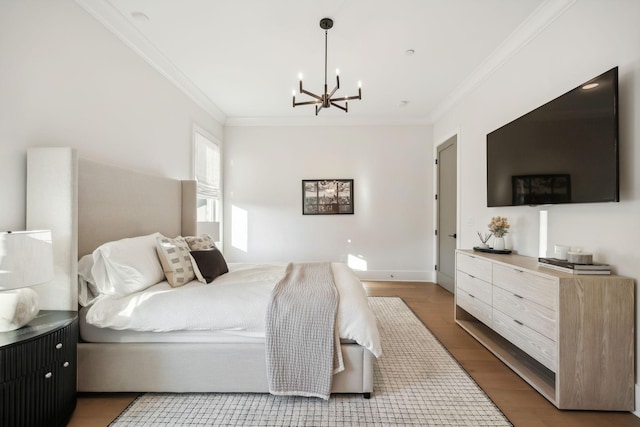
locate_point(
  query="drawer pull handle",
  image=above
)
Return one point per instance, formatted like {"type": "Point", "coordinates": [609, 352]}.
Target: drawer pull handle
{"type": "Point", "coordinates": [48, 375]}
{"type": "Point", "coordinates": [65, 365]}
{"type": "Point", "coordinates": [518, 322]}
{"type": "Point", "coordinates": [59, 346]}
{"type": "Point", "coordinates": [519, 271]}
{"type": "Point", "coordinates": [518, 296]}
{"type": "Point", "coordinates": [472, 296]}
{"type": "Point", "coordinates": [473, 277]}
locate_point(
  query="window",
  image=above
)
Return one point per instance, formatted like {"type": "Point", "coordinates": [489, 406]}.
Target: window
{"type": "Point", "coordinates": [208, 167]}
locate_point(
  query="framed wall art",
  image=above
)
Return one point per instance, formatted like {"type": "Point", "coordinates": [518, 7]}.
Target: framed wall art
{"type": "Point", "coordinates": [327, 196]}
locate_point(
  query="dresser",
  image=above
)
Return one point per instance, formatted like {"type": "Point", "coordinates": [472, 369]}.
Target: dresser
{"type": "Point", "coordinates": [38, 371]}
{"type": "Point", "coordinates": [571, 337]}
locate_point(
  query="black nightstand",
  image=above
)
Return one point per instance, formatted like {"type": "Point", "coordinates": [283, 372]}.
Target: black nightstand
{"type": "Point", "coordinates": [38, 371]}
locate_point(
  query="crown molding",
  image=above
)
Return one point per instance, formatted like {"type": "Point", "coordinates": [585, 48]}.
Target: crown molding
{"type": "Point", "coordinates": [540, 19]}
{"type": "Point", "coordinates": [115, 22]}
{"type": "Point", "coordinates": [326, 121]}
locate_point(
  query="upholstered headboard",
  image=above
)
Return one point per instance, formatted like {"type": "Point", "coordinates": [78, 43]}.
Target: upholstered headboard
{"type": "Point", "coordinates": [114, 203]}
{"type": "Point", "coordinates": [86, 204]}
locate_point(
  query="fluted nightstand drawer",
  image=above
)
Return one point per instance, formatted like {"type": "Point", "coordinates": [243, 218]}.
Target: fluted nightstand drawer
{"type": "Point", "coordinates": [38, 371]}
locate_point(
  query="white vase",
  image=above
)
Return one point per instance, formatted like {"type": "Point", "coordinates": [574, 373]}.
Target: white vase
{"type": "Point", "coordinates": [498, 243]}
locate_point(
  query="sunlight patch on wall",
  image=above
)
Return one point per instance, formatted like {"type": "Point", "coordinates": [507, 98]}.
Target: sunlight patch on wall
{"type": "Point", "coordinates": [239, 228]}
{"type": "Point", "coordinates": [356, 263]}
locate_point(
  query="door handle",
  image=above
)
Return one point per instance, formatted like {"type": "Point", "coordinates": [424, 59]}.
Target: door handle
{"type": "Point", "coordinates": [454, 235]}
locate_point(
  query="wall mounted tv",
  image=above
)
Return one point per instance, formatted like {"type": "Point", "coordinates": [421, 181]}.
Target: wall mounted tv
{"type": "Point", "coordinates": [565, 151]}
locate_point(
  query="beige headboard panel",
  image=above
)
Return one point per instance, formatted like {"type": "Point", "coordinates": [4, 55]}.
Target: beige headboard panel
{"type": "Point", "coordinates": [85, 204]}
{"type": "Point", "coordinates": [115, 203]}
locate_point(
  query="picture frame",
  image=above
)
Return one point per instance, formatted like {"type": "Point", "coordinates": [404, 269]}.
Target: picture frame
{"type": "Point", "coordinates": [327, 197]}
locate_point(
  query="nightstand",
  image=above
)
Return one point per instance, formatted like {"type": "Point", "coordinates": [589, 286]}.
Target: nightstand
{"type": "Point", "coordinates": [38, 371]}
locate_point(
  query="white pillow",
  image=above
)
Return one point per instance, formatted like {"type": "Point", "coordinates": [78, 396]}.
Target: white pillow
{"type": "Point", "coordinates": [126, 266]}
{"type": "Point", "coordinates": [87, 290]}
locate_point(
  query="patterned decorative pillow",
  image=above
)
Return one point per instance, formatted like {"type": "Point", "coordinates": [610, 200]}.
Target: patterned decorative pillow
{"type": "Point", "coordinates": [175, 259]}
{"type": "Point", "coordinates": [200, 243]}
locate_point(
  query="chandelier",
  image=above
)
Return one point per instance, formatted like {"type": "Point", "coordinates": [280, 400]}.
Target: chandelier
{"type": "Point", "coordinates": [326, 100]}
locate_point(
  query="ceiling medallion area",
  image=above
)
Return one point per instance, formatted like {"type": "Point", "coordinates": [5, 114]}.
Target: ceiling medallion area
{"type": "Point", "coordinates": [327, 98]}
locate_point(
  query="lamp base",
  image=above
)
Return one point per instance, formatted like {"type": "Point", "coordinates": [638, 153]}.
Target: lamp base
{"type": "Point", "coordinates": [17, 308]}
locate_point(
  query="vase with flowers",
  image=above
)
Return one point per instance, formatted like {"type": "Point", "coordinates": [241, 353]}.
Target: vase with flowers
{"type": "Point", "coordinates": [499, 226]}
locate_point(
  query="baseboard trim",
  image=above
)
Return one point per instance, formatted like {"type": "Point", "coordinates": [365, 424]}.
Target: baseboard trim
{"type": "Point", "coordinates": [395, 276]}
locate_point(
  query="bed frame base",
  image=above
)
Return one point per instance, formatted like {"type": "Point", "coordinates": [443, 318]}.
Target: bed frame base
{"type": "Point", "coordinates": [109, 203]}
{"type": "Point", "coordinates": [199, 367]}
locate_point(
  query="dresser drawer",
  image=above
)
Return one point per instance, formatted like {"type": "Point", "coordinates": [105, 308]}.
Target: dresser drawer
{"type": "Point", "coordinates": [536, 345]}
{"type": "Point", "coordinates": [474, 266]}
{"type": "Point", "coordinates": [541, 290]}
{"type": "Point", "coordinates": [474, 286]}
{"type": "Point", "coordinates": [537, 317]}
{"type": "Point", "coordinates": [474, 306]}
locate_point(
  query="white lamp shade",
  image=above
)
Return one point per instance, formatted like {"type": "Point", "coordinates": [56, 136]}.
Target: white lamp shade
{"type": "Point", "coordinates": [26, 259]}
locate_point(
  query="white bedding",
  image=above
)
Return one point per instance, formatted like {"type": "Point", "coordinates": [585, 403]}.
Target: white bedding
{"type": "Point", "coordinates": [95, 334]}
{"type": "Point", "coordinates": [234, 303]}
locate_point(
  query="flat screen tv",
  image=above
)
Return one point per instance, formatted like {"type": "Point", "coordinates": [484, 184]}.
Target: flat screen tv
{"type": "Point", "coordinates": [565, 151]}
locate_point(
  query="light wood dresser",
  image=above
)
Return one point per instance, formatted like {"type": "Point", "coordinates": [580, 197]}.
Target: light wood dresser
{"type": "Point", "coordinates": [570, 336]}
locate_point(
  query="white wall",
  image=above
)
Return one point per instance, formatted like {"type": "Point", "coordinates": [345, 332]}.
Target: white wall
{"type": "Point", "coordinates": [591, 37]}
{"type": "Point", "coordinates": [392, 168]}
{"type": "Point", "coordinates": [67, 81]}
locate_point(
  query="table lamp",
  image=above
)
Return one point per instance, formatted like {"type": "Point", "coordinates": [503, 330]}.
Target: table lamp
{"type": "Point", "coordinates": [26, 259]}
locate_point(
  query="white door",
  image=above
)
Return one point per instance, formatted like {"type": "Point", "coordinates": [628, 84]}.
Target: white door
{"type": "Point", "coordinates": [447, 211]}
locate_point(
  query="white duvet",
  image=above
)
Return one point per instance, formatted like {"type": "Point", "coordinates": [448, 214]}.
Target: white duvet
{"type": "Point", "coordinates": [234, 303]}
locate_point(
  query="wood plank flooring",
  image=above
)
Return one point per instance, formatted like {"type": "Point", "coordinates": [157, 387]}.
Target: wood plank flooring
{"type": "Point", "coordinates": [434, 306]}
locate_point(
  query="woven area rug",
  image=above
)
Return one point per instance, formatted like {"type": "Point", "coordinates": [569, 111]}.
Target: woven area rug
{"type": "Point", "coordinates": [416, 383]}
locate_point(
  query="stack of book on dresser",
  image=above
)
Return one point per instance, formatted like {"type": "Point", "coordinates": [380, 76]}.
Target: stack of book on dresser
{"type": "Point", "coordinates": [573, 268]}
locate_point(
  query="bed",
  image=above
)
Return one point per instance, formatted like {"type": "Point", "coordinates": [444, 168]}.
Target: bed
{"type": "Point", "coordinates": [115, 204]}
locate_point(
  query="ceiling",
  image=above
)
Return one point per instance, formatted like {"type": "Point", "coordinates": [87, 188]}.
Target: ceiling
{"type": "Point", "coordinates": [240, 59]}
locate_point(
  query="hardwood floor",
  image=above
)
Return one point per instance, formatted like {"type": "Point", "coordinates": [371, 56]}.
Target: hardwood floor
{"type": "Point", "coordinates": [434, 306]}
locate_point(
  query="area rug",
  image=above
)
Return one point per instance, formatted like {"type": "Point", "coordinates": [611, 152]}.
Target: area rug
{"type": "Point", "coordinates": [416, 383]}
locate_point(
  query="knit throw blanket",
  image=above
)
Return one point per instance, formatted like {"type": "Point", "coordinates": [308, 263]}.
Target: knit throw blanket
{"type": "Point", "coordinates": [302, 343]}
